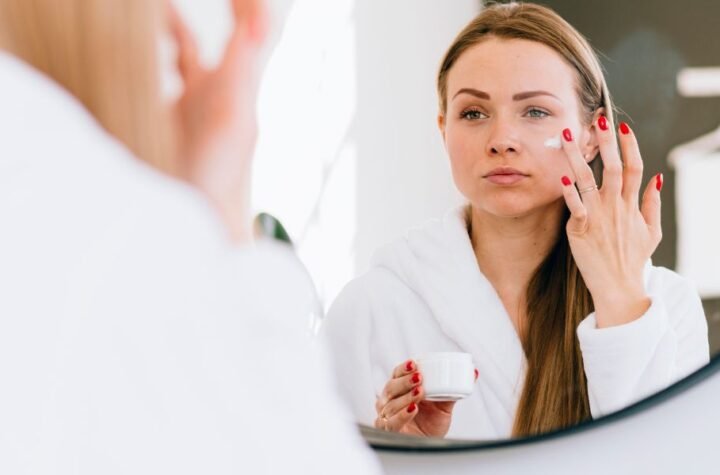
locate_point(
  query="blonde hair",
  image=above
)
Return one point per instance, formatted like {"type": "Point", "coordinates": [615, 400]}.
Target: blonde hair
{"type": "Point", "coordinates": [105, 54]}
{"type": "Point", "coordinates": [555, 390]}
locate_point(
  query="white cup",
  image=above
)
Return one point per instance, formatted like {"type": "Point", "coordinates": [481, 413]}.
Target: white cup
{"type": "Point", "coordinates": [447, 376]}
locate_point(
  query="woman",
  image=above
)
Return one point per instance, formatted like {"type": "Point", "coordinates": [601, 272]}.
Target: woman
{"type": "Point", "coordinates": [139, 331]}
{"type": "Point", "coordinates": [544, 277]}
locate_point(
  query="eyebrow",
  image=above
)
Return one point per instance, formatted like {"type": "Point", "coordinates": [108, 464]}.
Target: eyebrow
{"type": "Point", "coordinates": [520, 96]}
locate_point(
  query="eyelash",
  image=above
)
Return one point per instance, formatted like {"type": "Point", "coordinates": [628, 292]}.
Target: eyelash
{"type": "Point", "coordinates": [535, 109]}
{"type": "Point", "coordinates": [466, 113]}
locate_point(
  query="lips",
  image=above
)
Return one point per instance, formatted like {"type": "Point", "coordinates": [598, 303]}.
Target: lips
{"type": "Point", "coordinates": [505, 176]}
{"type": "Point", "coordinates": [505, 171]}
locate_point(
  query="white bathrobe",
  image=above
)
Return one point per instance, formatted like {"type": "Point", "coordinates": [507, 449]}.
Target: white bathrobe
{"type": "Point", "coordinates": [425, 293]}
{"type": "Point", "coordinates": [133, 337]}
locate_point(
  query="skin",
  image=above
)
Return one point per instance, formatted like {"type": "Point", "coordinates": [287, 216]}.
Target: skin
{"type": "Point", "coordinates": [215, 115]}
{"type": "Point", "coordinates": [495, 118]}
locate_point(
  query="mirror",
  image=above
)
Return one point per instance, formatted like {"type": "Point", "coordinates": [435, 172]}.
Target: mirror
{"type": "Point", "coordinates": [384, 440]}
{"type": "Point", "coordinates": [361, 160]}
{"type": "Point", "coordinates": [659, 425]}
{"type": "Point", "coordinates": [373, 153]}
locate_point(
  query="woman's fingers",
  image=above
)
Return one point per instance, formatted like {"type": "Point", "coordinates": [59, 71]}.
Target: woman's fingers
{"type": "Point", "coordinates": [584, 178]}
{"type": "Point", "coordinates": [406, 367]}
{"type": "Point", "coordinates": [399, 419]}
{"type": "Point", "coordinates": [188, 59]}
{"type": "Point", "coordinates": [400, 394]}
{"type": "Point", "coordinates": [397, 387]}
{"type": "Point", "coordinates": [245, 9]}
{"type": "Point", "coordinates": [577, 224]}
{"type": "Point", "coordinates": [251, 15]}
{"type": "Point", "coordinates": [612, 164]}
{"type": "Point", "coordinates": [401, 375]}
{"type": "Point", "coordinates": [238, 61]}
{"type": "Point", "coordinates": [394, 414]}
{"type": "Point", "coordinates": [633, 171]}
{"type": "Point", "coordinates": [650, 208]}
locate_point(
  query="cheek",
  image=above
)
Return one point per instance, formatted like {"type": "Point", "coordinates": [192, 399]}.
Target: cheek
{"type": "Point", "coordinates": [550, 163]}
{"type": "Point", "coordinates": [464, 149]}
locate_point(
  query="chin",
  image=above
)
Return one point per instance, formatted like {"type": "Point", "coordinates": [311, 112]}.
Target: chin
{"type": "Point", "coordinates": [509, 206]}
{"type": "Point", "coordinates": [507, 212]}
{"type": "Point", "coordinates": [503, 208]}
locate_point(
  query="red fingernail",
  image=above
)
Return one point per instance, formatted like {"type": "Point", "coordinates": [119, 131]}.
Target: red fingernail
{"type": "Point", "coordinates": [477, 373]}
{"type": "Point", "coordinates": [602, 122]}
{"type": "Point", "coordinates": [411, 407]}
{"type": "Point", "coordinates": [659, 181]}
{"type": "Point", "coordinates": [408, 366]}
{"type": "Point", "coordinates": [568, 135]}
{"type": "Point", "coordinates": [416, 391]}
{"type": "Point", "coordinates": [565, 181]}
{"type": "Point", "coordinates": [415, 378]}
{"type": "Point", "coordinates": [624, 128]}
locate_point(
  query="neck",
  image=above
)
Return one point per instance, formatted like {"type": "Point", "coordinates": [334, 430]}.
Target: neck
{"type": "Point", "coordinates": [508, 250]}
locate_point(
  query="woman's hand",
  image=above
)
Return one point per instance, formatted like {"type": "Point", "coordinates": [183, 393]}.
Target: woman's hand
{"type": "Point", "coordinates": [215, 115]}
{"type": "Point", "coordinates": [610, 235]}
{"type": "Point", "coordinates": [401, 408]}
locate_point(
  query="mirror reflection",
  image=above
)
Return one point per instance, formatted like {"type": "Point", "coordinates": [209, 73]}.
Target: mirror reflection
{"type": "Point", "coordinates": [547, 296]}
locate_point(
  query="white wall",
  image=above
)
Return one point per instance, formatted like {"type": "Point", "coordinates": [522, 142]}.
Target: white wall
{"type": "Point", "coordinates": [403, 173]}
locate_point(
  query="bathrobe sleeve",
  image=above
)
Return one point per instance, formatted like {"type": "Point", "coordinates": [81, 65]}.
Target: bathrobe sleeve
{"type": "Point", "coordinates": [626, 363]}
{"type": "Point", "coordinates": [347, 331]}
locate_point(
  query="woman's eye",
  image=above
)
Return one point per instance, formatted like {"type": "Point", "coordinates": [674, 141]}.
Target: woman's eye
{"type": "Point", "coordinates": [537, 113]}
{"type": "Point", "coordinates": [472, 114]}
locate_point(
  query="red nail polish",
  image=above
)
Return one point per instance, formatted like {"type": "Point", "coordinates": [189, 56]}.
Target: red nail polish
{"type": "Point", "coordinates": [624, 128]}
{"type": "Point", "coordinates": [659, 181]}
{"type": "Point", "coordinates": [411, 407]}
{"type": "Point", "coordinates": [567, 134]}
{"type": "Point", "coordinates": [415, 378]}
{"type": "Point", "coordinates": [416, 391]}
{"type": "Point", "coordinates": [408, 366]}
{"type": "Point", "coordinates": [477, 373]}
{"type": "Point", "coordinates": [602, 123]}
{"type": "Point", "coordinates": [565, 181]}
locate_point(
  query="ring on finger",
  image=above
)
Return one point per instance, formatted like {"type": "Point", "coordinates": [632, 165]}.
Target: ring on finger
{"type": "Point", "coordinates": [384, 420]}
{"type": "Point", "coordinates": [588, 189]}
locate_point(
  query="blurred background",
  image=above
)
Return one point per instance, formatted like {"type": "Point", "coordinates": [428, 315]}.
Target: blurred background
{"type": "Point", "coordinates": [349, 156]}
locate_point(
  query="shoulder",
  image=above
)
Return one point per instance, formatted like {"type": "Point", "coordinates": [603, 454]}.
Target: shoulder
{"type": "Point", "coordinates": [433, 238]}
{"type": "Point", "coordinates": [377, 287]}
{"type": "Point", "coordinates": [406, 271]}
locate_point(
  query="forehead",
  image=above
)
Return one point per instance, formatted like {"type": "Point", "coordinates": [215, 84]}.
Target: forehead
{"type": "Point", "coordinates": [511, 66]}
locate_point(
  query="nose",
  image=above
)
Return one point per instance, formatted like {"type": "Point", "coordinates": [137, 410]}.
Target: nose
{"type": "Point", "coordinates": [502, 140]}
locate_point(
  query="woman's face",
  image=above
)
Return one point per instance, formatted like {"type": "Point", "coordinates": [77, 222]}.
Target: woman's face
{"type": "Point", "coordinates": [505, 99]}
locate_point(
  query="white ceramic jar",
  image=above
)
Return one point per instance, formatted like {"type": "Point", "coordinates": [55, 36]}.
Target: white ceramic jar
{"type": "Point", "coordinates": [447, 376]}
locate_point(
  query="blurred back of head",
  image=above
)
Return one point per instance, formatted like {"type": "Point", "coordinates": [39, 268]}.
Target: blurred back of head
{"type": "Point", "coordinates": [104, 52]}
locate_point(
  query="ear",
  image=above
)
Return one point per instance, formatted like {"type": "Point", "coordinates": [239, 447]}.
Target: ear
{"type": "Point", "coordinates": [590, 147]}
{"type": "Point", "coordinates": [441, 125]}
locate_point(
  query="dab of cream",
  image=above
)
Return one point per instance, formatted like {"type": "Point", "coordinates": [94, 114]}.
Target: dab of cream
{"type": "Point", "coordinates": [553, 142]}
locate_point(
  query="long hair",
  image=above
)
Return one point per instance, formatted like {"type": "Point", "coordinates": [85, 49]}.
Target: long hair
{"type": "Point", "coordinates": [555, 391]}
{"type": "Point", "coordinates": [104, 53]}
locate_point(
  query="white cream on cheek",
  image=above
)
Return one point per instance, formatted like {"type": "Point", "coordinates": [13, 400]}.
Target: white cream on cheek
{"type": "Point", "coordinates": [553, 142]}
